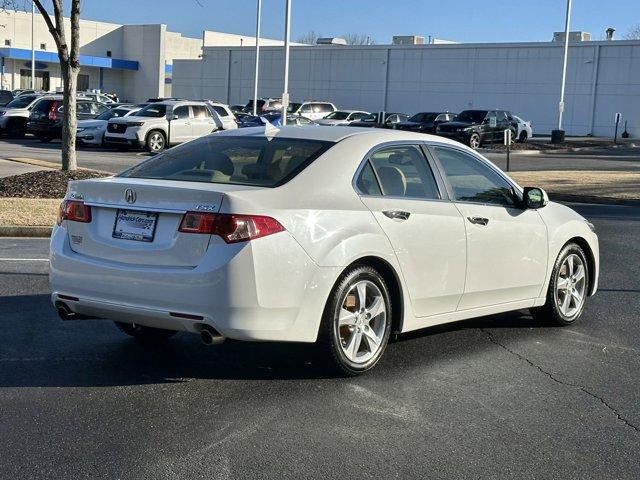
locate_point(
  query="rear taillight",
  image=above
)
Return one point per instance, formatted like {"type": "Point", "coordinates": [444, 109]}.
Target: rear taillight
{"type": "Point", "coordinates": [74, 211]}
{"type": "Point", "coordinates": [53, 110]}
{"type": "Point", "coordinates": [231, 228]}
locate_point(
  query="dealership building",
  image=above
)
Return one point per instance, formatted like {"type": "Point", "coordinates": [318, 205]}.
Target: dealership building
{"type": "Point", "coordinates": [603, 79]}
{"type": "Point", "coordinates": [134, 61]}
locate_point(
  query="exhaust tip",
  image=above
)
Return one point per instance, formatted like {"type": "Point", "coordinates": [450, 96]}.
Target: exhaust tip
{"type": "Point", "coordinates": [210, 336]}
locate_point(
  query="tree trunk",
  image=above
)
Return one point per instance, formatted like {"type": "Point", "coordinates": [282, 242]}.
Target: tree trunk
{"type": "Point", "coordinates": [69, 119]}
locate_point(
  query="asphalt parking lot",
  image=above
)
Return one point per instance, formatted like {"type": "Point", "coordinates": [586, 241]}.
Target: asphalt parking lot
{"type": "Point", "coordinates": [497, 397]}
{"type": "Point", "coordinates": [624, 158]}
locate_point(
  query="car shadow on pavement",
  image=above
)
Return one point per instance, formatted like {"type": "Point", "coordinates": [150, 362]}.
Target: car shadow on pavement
{"type": "Point", "coordinates": [37, 349]}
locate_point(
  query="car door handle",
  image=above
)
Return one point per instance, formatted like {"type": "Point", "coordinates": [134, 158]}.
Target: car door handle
{"type": "Point", "coordinates": [478, 220]}
{"type": "Point", "coordinates": [396, 214]}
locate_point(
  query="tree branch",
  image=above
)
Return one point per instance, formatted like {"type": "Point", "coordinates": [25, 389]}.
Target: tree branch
{"type": "Point", "coordinates": [75, 34]}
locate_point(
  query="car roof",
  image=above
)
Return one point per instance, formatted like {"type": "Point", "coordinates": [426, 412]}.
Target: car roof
{"type": "Point", "coordinates": [335, 134]}
{"type": "Point", "coordinates": [175, 103]}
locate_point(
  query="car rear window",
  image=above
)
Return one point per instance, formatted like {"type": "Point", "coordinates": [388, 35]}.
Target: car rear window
{"type": "Point", "coordinates": [43, 105]}
{"type": "Point", "coordinates": [242, 160]}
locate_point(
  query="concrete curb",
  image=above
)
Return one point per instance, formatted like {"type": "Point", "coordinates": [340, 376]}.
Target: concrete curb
{"type": "Point", "coordinates": [559, 150]}
{"type": "Point", "coordinates": [25, 231]}
{"type": "Point", "coordinates": [623, 202]}
{"type": "Point", "coordinates": [46, 164]}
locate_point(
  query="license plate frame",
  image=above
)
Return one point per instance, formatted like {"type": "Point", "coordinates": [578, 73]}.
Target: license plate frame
{"type": "Point", "coordinates": [140, 236]}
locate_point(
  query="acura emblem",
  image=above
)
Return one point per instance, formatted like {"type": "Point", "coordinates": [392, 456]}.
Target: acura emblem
{"type": "Point", "coordinates": [130, 195]}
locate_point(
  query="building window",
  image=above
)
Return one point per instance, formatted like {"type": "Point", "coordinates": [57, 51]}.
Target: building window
{"type": "Point", "coordinates": [108, 53]}
{"type": "Point", "coordinates": [7, 43]}
{"type": "Point", "coordinates": [41, 81]}
{"type": "Point", "coordinates": [83, 82]}
{"type": "Point", "coordinates": [43, 46]}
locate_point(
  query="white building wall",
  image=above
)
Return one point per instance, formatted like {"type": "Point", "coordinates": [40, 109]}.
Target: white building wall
{"type": "Point", "coordinates": [603, 77]}
{"type": "Point", "coordinates": [144, 43]}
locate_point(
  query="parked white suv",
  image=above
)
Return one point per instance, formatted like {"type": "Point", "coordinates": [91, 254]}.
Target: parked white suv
{"type": "Point", "coordinates": [312, 110]}
{"type": "Point", "coordinates": [14, 116]}
{"type": "Point", "coordinates": [161, 124]}
{"type": "Point", "coordinates": [226, 117]}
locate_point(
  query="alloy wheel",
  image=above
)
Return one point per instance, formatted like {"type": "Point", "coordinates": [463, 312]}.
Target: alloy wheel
{"type": "Point", "coordinates": [571, 286]}
{"type": "Point", "coordinates": [474, 141]}
{"type": "Point", "coordinates": [361, 321]}
{"type": "Point", "coordinates": [156, 142]}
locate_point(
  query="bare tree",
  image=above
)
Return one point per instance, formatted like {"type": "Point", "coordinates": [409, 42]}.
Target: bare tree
{"type": "Point", "coordinates": [69, 56]}
{"type": "Point", "coordinates": [633, 33]}
{"type": "Point", "coordinates": [310, 38]}
{"type": "Point", "coordinates": [358, 39]}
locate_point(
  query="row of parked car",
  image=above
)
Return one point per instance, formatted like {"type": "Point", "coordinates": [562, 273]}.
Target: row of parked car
{"type": "Point", "coordinates": [472, 127]}
{"type": "Point", "coordinates": [158, 123]}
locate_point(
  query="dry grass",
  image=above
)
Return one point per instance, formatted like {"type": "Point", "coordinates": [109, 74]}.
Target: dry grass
{"type": "Point", "coordinates": [25, 212]}
{"type": "Point", "coordinates": [604, 184]}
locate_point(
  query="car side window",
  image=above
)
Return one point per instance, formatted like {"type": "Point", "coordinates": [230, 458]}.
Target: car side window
{"type": "Point", "coordinates": [305, 108]}
{"type": "Point", "coordinates": [367, 182]}
{"type": "Point", "coordinates": [181, 112]}
{"type": "Point", "coordinates": [472, 180]}
{"type": "Point", "coordinates": [358, 116]}
{"type": "Point", "coordinates": [403, 171]}
{"type": "Point", "coordinates": [84, 107]}
{"type": "Point", "coordinates": [200, 111]}
{"type": "Point", "coordinates": [220, 111]}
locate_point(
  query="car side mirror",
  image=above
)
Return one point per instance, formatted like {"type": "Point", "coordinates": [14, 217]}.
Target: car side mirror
{"type": "Point", "coordinates": [172, 117]}
{"type": "Point", "coordinates": [534, 197]}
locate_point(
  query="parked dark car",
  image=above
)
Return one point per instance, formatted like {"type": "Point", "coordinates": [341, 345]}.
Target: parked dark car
{"type": "Point", "coordinates": [5, 97]}
{"type": "Point", "coordinates": [390, 120]}
{"type": "Point", "coordinates": [246, 120]}
{"type": "Point", "coordinates": [476, 127]}
{"type": "Point", "coordinates": [45, 121]}
{"type": "Point", "coordinates": [426, 122]}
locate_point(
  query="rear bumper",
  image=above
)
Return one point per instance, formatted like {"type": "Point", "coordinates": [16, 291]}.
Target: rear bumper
{"type": "Point", "coordinates": [265, 290]}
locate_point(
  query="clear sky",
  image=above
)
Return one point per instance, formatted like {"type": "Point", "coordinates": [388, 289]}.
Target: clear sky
{"type": "Point", "coordinates": [459, 20]}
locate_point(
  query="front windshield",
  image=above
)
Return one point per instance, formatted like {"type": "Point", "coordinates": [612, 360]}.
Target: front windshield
{"type": "Point", "coordinates": [338, 115]}
{"type": "Point", "coordinates": [22, 101]}
{"type": "Point", "coordinates": [472, 116]}
{"type": "Point", "coordinates": [293, 107]}
{"type": "Point", "coordinates": [153, 110]}
{"type": "Point", "coordinates": [423, 117]}
{"type": "Point", "coordinates": [115, 113]}
{"type": "Point", "coordinates": [240, 160]}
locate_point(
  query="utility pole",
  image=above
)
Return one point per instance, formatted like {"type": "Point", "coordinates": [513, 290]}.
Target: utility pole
{"type": "Point", "coordinates": [33, 48]}
{"type": "Point", "coordinates": [255, 79]}
{"type": "Point", "coordinates": [285, 93]}
{"type": "Point", "coordinates": [558, 137]}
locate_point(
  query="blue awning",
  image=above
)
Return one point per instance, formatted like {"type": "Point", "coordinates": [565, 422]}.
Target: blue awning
{"type": "Point", "coordinates": [85, 60]}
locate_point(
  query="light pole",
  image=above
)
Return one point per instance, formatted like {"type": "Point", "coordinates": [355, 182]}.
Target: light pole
{"type": "Point", "coordinates": [33, 48]}
{"type": "Point", "coordinates": [255, 78]}
{"type": "Point", "coordinates": [558, 135]}
{"type": "Point", "coordinates": [285, 93]}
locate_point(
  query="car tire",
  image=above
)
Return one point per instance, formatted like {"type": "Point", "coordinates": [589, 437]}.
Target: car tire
{"type": "Point", "coordinates": [569, 285]}
{"type": "Point", "coordinates": [141, 332]}
{"type": "Point", "coordinates": [15, 130]}
{"type": "Point", "coordinates": [156, 141]}
{"type": "Point", "coordinates": [45, 139]}
{"type": "Point", "coordinates": [523, 136]}
{"type": "Point", "coordinates": [356, 323]}
{"type": "Point", "coordinates": [474, 141]}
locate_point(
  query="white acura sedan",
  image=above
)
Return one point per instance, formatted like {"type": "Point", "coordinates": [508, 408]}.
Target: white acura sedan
{"type": "Point", "coordinates": [341, 236]}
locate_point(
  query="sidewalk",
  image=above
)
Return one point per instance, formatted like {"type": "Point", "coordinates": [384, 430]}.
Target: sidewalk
{"type": "Point", "coordinates": [9, 168]}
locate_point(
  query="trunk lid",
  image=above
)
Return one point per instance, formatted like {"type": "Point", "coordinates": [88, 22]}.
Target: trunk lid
{"type": "Point", "coordinates": [159, 203]}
